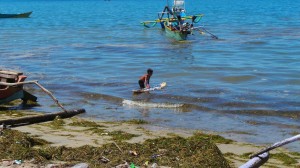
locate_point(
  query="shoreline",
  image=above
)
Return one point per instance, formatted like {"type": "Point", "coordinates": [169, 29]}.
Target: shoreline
{"type": "Point", "coordinates": [77, 136]}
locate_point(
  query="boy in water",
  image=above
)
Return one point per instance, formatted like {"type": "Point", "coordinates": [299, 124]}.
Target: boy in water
{"type": "Point", "coordinates": [145, 79]}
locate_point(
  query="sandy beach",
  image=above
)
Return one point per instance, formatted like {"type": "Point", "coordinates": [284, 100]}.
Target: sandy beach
{"type": "Point", "coordinates": [69, 135]}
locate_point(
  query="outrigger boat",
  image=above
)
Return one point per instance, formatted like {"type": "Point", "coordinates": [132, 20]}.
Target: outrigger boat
{"type": "Point", "coordinates": [11, 88]}
{"type": "Point", "coordinates": [176, 24]}
{"type": "Point", "coordinates": [10, 92]}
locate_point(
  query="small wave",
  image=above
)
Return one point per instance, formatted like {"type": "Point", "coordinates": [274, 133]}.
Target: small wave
{"type": "Point", "coordinates": [151, 105]}
{"type": "Point", "coordinates": [98, 96]}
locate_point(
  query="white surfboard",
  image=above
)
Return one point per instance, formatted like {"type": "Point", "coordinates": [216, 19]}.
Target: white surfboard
{"type": "Point", "coordinates": [161, 86]}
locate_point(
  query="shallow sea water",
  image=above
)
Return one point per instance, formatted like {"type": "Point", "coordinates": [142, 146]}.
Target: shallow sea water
{"type": "Point", "coordinates": [91, 53]}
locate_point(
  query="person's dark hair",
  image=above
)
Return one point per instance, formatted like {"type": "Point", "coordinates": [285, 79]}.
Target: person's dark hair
{"type": "Point", "coordinates": [149, 71]}
{"type": "Point", "coordinates": [179, 18]}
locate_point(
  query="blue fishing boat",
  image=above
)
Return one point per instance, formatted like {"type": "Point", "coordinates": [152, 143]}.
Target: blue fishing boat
{"type": "Point", "coordinates": [19, 15]}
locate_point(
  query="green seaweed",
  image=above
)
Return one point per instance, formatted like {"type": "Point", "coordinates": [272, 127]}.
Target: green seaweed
{"type": "Point", "coordinates": [121, 135]}
{"type": "Point", "coordinates": [57, 123]}
{"type": "Point", "coordinates": [173, 152]}
{"type": "Point", "coordinates": [96, 130]}
{"type": "Point", "coordinates": [246, 155]}
{"type": "Point", "coordinates": [286, 159]}
{"type": "Point", "coordinates": [85, 123]}
{"type": "Point", "coordinates": [212, 137]}
{"type": "Point", "coordinates": [136, 121]}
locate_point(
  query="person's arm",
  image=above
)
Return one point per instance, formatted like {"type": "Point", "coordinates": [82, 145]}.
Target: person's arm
{"type": "Point", "coordinates": [148, 82]}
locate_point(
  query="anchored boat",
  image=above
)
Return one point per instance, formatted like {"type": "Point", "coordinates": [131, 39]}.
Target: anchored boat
{"type": "Point", "coordinates": [11, 88]}
{"type": "Point", "coordinates": [19, 15]}
{"type": "Point", "coordinates": [9, 91]}
{"type": "Point", "coordinates": [176, 23]}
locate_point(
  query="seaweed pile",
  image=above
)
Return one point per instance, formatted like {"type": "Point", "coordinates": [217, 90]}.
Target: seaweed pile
{"type": "Point", "coordinates": [198, 150]}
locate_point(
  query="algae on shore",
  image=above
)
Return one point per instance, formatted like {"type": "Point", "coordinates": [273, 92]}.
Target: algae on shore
{"type": "Point", "coordinates": [77, 140]}
{"type": "Point", "coordinates": [195, 151]}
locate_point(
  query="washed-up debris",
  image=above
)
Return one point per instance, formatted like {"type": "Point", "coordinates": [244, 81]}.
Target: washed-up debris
{"type": "Point", "coordinates": [53, 166]}
{"type": "Point", "coordinates": [124, 165]}
{"type": "Point", "coordinates": [133, 166]}
{"type": "Point", "coordinates": [104, 159]}
{"type": "Point", "coordinates": [146, 163]}
{"type": "Point", "coordinates": [134, 153]}
{"type": "Point", "coordinates": [154, 165]}
{"type": "Point", "coordinates": [7, 162]}
{"type": "Point", "coordinates": [155, 156]}
{"type": "Point", "coordinates": [18, 162]}
{"type": "Point", "coordinates": [81, 165]}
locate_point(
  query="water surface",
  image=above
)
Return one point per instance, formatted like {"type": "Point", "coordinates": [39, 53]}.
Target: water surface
{"type": "Point", "coordinates": [91, 53]}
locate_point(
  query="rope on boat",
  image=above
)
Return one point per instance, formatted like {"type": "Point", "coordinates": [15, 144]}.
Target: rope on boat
{"type": "Point", "coordinates": [39, 85]}
{"type": "Point", "coordinates": [201, 28]}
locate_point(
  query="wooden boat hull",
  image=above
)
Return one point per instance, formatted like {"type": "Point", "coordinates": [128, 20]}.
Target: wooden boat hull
{"type": "Point", "coordinates": [20, 15]}
{"type": "Point", "coordinates": [175, 34]}
{"type": "Point", "coordinates": [13, 96]}
{"type": "Point", "coordinates": [9, 93]}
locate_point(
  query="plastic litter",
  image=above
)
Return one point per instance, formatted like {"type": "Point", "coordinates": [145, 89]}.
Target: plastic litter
{"type": "Point", "coordinates": [132, 165]}
{"type": "Point", "coordinates": [18, 162]}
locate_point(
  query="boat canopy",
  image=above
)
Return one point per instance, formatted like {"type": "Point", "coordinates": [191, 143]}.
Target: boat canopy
{"type": "Point", "coordinates": [178, 4]}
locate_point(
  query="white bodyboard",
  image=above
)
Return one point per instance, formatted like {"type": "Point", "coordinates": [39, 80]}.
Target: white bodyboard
{"type": "Point", "coordinates": [161, 86]}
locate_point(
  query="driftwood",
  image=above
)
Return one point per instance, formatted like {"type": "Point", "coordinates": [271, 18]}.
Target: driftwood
{"type": "Point", "coordinates": [40, 118]}
{"type": "Point", "coordinates": [256, 161]}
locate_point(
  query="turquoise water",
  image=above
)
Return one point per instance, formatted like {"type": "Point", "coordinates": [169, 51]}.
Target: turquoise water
{"type": "Point", "coordinates": [91, 53]}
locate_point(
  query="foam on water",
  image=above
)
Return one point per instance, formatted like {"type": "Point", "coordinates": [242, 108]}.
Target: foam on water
{"type": "Point", "coordinates": [150, 105]}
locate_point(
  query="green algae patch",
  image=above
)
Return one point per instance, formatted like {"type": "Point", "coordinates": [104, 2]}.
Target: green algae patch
{"type": "Point", "coordinates": [286, 159]}
{"type": "Point", "coordinates": [18, 103]}
{"type": "Point", "coordinates": [95, 130]}
{"type": "Point", "coordinates": [85, 123]}
{"type": "Point", "coordinates": [121, 135]}
{"type": "Point", "coordinates": [12, 113]}
{"type": "Point", "coordinates": [5, 113]}
{"type": "Point", "coordinates": [212, 137]}
{"type": "Point", "coordinates": [295, 154]}
{"type": "Point", "coordinates": [167, 151]}
{"type": "Point", "coordinates": [18, 145]}
{"type": "Point", "coordinates": [12, 103]}
{"type": "Point", "coordinates": [57, 123]}
{"type": "Point", "coordinates": [136, 121]}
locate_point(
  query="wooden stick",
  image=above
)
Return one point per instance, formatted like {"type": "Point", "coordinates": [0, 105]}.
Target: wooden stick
{"type": "Point", "coordinates": [16, 84]}
{"type": "Point", "coordinates": [40, 118]}
{"type": "Point", "coordinates": [51, 95]}
{"type": "Point", "coordinates": [118, 147]}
